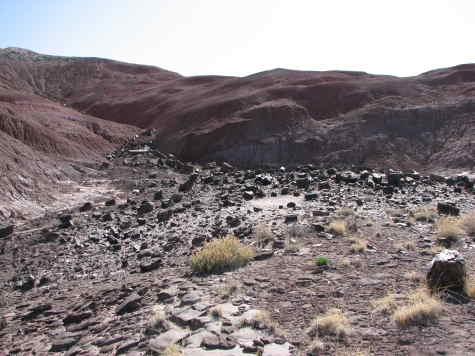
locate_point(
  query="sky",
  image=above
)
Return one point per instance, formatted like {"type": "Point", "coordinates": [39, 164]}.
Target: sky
{"type": "Point", "coordinates": [241, 37]}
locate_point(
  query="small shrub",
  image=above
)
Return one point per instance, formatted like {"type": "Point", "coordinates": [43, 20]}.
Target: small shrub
{"type": "Point", "coordinates": [385, 305]}
{"type": "Point", "coordinates": [425, 214]}
{"type": "Point", "coordinates": [333, 322]}
{"type": "Point", "coordinates": [405, 246]}
{"type": "Point", "coordinates": [231, 288]}
{"type": "Point", "coordinates": [261, 320]}
{"type": "Point", "coordinates": [338, 227]}
{"type": "Point", "coordinates": [448, 228]}
{"type": "Point", "coordinates": [468, 223]}
{"type": "Point", "coordinates": [217, 312]}
{"type": "Point", "coordinates": [470, 287]}
{"type": "Point", "coordinates": [421, 309]}
{"type": "Point", "coordinates": [345, 212]}
{"type": "Point", "coordinates": [173, 350]}
{"type": "Point", "coordinates": [359, 245]}
{"type": "Point", "coordinates": [263, 235]}
{"type": "Point", "coordinates": [159, 316]}
{"type": "Point", "coordinates": [221, 255]}
{"type": "Point", "coordinates": [322, 261]}
{"type": "Point", "coordinates": [413, 276]}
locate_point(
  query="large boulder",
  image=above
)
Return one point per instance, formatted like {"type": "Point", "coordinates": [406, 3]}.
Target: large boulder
{"type": "Point", "coordinates": [447, 272]}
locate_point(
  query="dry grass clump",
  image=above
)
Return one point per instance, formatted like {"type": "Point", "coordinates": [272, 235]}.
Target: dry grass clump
{"type": "Point", "coordinates": [159, 317]}
{"type": "Point", "coordinates": [260, 320]}
{"type": "Point", "coordinates": [470, 287]}
{"type": "Point", "coordinates": [264, 235]}
{"type": "Point", "coordinates": [448, 228]}
{"type": "Point", "coordinates": [413, 276]}
{"type": "Point", "coordinates": [353, 352]}
{"type": "Point", "coordinates": [172, 350]}
{"type": "Point", "coordinates": [217, 312]}
{"type": "Point", "coordinates": [385, 305]}
{"type": "Point", "coordinates": [229, 289]}
{"type": "Point", "coordinates": [420, 309]}
{"type": "Point", "coordinates": [468, 223]}
{"type": "Point", "coordinates": [345, 212]}
{"type": "Point", "coordinates": [221, 255]}
{"type": "Point", "coordinates": [338, 227]}
{"type": "Point", "coordinates": [333, 322]}
{"type": "Point", "coordinates": [408, 246]}
{"type": "Point", "coordinates": [359, 245]}
{"type": "Point", "coordinates": [425, 214]}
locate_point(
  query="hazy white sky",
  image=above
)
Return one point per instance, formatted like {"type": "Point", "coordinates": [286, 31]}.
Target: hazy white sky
{"type": "Point", "coordinates": [241, 37]}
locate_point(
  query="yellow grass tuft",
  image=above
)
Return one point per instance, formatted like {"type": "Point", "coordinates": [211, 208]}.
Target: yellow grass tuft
{"type": "Point", "coordinates": [468, 223]}
{"type": "Point", "coordinates": [359, 245]}
{"type": "Point", "coordinates": [449, 228]}
{"type": "Point", "coordinates": [333, 322]}
{"type": "Point", "coordinates": [221, 255]}
{"type": "Point", "coordinates": [172, 350]}
{"type": "Point", "coordinates": [470, 287]}
{"type": "Point", "coordinates": [413, 276]}
{"type": "Point", "coordinates": [261, 320]}
{"type": "Point", "coordinates": [338, 227]}
{"type": "Point", "coordinates": [421, 309]}
{"type": "Point", "coordinates": [158, 318]}
{"type": "Point", "coordinates": [385, 305]}
{"type": "Point", "coordinates": [425, 214]}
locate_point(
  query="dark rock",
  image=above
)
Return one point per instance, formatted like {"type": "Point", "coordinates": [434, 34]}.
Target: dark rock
{"type": "Point", "coordinates": [248, 195]}
{"type": "Point", "coordinates": [110, 202]}
{"type": "Point", "coordinates": [311, 196]}
{"type": "Point", "coordinates": [130, 304]}
{"type": "Point", "coordinates": [72, 318]}
{"type": "Point", "coordinates": [150, 265]}
{"type": "Point", "coordinates": [447, 272]}
{"type": "Point", "coordinates": [291, 204]}
{"type": "Point", "coordinates": [86, 207]}
{"type": "Point", "coordinates": [164, 215]}
{"type": "Point", "coordinates": [145, 207]}
{"type": "Point", "coordinates": [448, 208]}
{"type": "Point", "coordinates": [63, 343]}
{"type": "Point", "coordinates": [6, 230]}
{"type": "Point", "coordinates": [325, 185]}
{"type": "Point", "coordinates": [291, 219]}
{"type": "Point", "coordinates": [66, 221]}
{"type": "Point", "coordinates": [263, 255]}
{"type": "Point", "coordinates": [158, 195]}
{"type": "Point", "coordinates": [26, 283]}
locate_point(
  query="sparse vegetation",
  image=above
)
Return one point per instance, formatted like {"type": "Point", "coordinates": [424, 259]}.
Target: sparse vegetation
{"type": "Point", "coordinates": [421, 309]}
{"type": "Point", "coordinates": [470, 287]}
{"type": "Point", "coordinates": [338, 227]}
{"type": "Point", "coordinates": [333, 323]}
{"type": "Point", "coordinates": [229, 289]}
{"type": "Point", "coordinates": [264, 235]}
{"type": "Point", "coordinates": [468, 223]}
{"type": "Point", "coordinates": [158, 318]}
{"type": "Point", "coordinates": [345, 212]}
{"type": "Point", "coordinates": [221, 255]}
{"type": "Point", "coordinates": [322, 261]}
{"type": "Point", "coordinates": [385, 305]}
{"type": "Point", "coordinates": [260, 320]}
{"type": "Point", "coordinates": [217, 312]}
{"type": "Point", "coordinates": [359, 245]}
{"type": "Point", "coordinates": [448, 229]}
{"type": "Point", "coordinates": [172, 350]}
{"type": "Point", "coordinates": [413, 276]}
{"type": "Point", "coordinates": [425, 214]}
